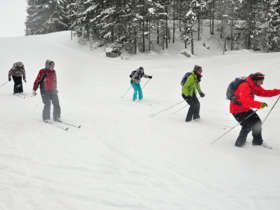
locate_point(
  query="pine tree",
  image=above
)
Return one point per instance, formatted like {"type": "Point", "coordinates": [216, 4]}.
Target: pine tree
{"type": "Point", "coordinates": [57, 16]}
{"type": "Point", "coordinates": [189, 22]}
{"type": "Point", "coordinates": [65, 13]}
{"type": "Point", "coordinates": [43, 17]}
{"type": "Point", "coordinates": [142, 25]}
{"type": "Point", "coordinates": [72, 12]}
{"type": "Point", "coordinates": [35, 17]}
{"type": "Point", "coordinates": [272, 41]}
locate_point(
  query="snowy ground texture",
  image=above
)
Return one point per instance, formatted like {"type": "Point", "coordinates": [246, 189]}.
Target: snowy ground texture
{"type": "Point", "coordinates": [122, 157]}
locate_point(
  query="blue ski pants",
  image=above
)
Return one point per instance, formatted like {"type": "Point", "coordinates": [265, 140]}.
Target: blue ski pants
{"type": "Point", "coordinates": [137, 89]}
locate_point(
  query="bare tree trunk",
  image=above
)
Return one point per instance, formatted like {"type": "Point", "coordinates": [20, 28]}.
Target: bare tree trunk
{"type": "Point", "coordinates": [225, 45]}
{"type": "Point", "coordinates": [158, 32]}
{"type": "Point", "coordinates": [222, 28]}
{"type": "Point", "coordinates": [180, 15]}
{"type": "Point", "coordinates": [192, 43]}
{"type": "Point", "coordinates": [250, 24]}
{"type": "Point", "coordinates": [135, 40]}
{"type": "Point", "coordinates": [198, 26]}
{"type": "Point", "coordinates": [143, 35]}
{"type": "Point", "coordinates": [166, 28]}
{"type": "Point", "coordinates": [231, 34]}
{"type": "Point", "coordinates": [231, 26]}
{"type": "Point", "coordinates": [149, 35]}
{"type": "Point", "coordinates": [212, 17]}
{"type": "Point", "coordinates": [174, 25]}
{"type": "Point", "coordinates": [143, 29]}
{"type": "Point", "coordinates": [162, 43]}
{"type": "Point", "coordinates": [113, 33]}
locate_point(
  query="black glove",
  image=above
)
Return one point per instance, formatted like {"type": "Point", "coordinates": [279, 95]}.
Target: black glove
{"type": "Point", "coordinates": [201, 95]}
{"type": "Point", "coordinates": [150, 77]}
{"type": "Point", "coordinates": [9, 79]}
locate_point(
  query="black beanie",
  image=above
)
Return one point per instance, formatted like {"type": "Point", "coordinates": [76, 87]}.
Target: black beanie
{"type": "Point", "coordinates": [196, 68]}
{"type": "Point", "coordinates": [257, 76]}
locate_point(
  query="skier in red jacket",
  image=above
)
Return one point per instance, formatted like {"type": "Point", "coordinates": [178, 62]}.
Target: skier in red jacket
{"type": "Point", "coordinates": [47, 81]}
{"type": "Point", "coordinates": [243, 113]}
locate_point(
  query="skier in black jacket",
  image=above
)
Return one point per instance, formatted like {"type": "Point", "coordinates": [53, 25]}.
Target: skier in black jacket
{"type": "Point", "coordinates": [17, 72]}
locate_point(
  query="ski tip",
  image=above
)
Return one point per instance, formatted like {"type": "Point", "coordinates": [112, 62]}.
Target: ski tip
{"type": "Point", "coordinates": [66, 129]}
{"type": "Point", "coordinates": [267, 146]}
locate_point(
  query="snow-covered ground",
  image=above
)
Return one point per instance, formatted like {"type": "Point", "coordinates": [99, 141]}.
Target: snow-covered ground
{"type": "Point", "coordinates": [122, 157]}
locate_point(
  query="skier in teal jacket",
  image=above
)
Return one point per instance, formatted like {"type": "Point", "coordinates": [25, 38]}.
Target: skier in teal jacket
{"type": "Point", "coordinates": [189, 90]}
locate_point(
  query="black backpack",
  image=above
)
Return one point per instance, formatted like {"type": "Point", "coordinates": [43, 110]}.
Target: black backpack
{"type": "Point", "coordinates": [132, 73]}
{"type": "Point", "coordinates": [185, 77]}
{"type": "Point", "coordinates": [232, 88]}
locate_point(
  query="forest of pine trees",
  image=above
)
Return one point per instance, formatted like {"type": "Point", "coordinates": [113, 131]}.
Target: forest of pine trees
{"type": "Point", "coordinates": [144, 25]}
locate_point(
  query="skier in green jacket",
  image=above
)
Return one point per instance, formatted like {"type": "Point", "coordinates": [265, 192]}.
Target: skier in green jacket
{"type": "Point", "coordinates": [189, 93]}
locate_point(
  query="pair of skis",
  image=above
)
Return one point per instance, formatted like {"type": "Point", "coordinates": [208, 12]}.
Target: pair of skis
{"type": "Point", "coordinates": [63, 125]}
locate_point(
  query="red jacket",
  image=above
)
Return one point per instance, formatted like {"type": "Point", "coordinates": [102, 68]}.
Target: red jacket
{"type": "Point", "coordinates": [246, 92]}
{"type": "Point", "coordinates": [46, 79]}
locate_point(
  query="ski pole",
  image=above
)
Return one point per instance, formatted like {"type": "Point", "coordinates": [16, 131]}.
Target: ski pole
{"type": "Point", "coordinates": [170, 107]}
{"type": "Point", "coordinates": [271, 110]}
{"type": "Point", "coordinates": [229, 130]}
{"type": "Point", "coordinates": [178, 110]}
{"type": "Point", "coordinates": [146, 83]}
{"type": "Point", "coordinates": [4, 83]}
{"type": "Point", "coordinates": [125, 92]}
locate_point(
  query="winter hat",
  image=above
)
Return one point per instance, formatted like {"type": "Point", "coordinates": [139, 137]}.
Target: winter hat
{"type": "Point", "coordinates": [49, 63]}
{"type": "Point", "coordinates": [196, 68]}
{"type": "Point", "coordinates": [18, 64]}
{"type": "Point", "coordinates": [257, 76]}
{"type": "Point", "coordinates": [141, 69]}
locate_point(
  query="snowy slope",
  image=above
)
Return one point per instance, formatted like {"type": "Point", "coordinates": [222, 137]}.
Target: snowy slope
{"type": "Point", "coordinates": [122, 157]}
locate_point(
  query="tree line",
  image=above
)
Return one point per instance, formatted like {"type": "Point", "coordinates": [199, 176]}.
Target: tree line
{"type": "Point", "coordinates": [144, 25]}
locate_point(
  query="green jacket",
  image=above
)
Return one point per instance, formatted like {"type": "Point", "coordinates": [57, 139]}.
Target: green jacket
{"type": "Point", "coordinates": [191, 85]}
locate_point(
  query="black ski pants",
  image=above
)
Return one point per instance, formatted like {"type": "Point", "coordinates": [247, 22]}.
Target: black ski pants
{"type": "Point", "coordinates": [18, 88]}
{"type": "Point", "coordinates": [249, 121]}
{"type": "Point", "coordinates": [193, 112]}
{"type": "Point", "coordinates": [49, 97]}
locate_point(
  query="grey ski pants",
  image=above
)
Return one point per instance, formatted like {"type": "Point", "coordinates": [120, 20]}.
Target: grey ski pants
{"type": "Point", "coordinates": [49, 97]}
